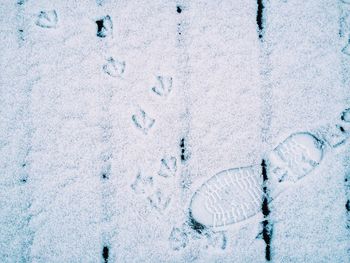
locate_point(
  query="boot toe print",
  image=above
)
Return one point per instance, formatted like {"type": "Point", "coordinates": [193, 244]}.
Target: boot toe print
{"type": "Point", "coordinates": [300, 153]}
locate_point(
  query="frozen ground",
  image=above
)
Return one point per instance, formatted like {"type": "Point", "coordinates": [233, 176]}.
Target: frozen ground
{"type": "Point", "coordinates": [114, 113]}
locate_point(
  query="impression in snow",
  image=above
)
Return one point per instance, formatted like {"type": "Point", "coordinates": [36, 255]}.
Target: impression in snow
{"type": "Point", "coordinates": [142, 121]}
{"type": "Point", "coordinates": [168, 167]}
{"type": "Point", "coordinates": [228, 197]}
{"type": "Point", "coordinates": [47, 19]}
{"type": "Point", "coordinates": [234, 195]}
{"type": "Point", "coordinates": [346, 115]}
{"type": "Point", "coordinates": [104, 27]}
{"type": "Point", "coordinates": [163, 87]}
{"type": "Point", "coordinates": [178, 239]}
{"type": "Point", "coordinates": [114, 68]}
{"type": "Point", "coordinates": [297, 156]}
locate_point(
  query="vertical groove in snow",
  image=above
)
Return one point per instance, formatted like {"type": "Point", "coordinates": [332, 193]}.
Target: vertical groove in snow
{"type": "Point", "coordinates": [20, 136]}
{"type": "Point", "coordinates": [266, 116]}
{"type": "Point", "coordinates": [105, 92]}
{"type": "Point", "coordinates": [267, 225]}
{"type": "Point", "coordinates": [260, 18]}
{"type": "Point", "coordinates": [344, 34]}
{"type": "Point", "coordinates": [182, 24]}
{"type": "Point", "coordinates": [105, 254]}
{"type": "Point", "coordinates": [266, 93]}
{"type": "Point", "coordinates": [347, 191]}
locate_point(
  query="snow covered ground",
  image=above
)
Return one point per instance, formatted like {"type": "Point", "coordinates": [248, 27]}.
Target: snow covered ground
{"type": "Point", "coordinates": [114, 113]}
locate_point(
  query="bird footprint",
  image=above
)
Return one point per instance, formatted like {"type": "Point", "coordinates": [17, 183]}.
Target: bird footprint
{"type": "Point", "coordinates": [178, 239]}
{"type": "Point", "coordinates": [47, 19]}
{"type": "Point", "coordinates": [168, 167]}
{"type": "Point", "coordinates": [159, 200]}
{"type": "Point", "coordinates": [114, 68]}
{"type": "Point", "coordinates": [164, 86]}
{"type": "Point", "coordinates": [142, 184]}
{"type": "Point", "coordinates": [216, 240]}
{"type": "Point", "coordinates": [142, 121]}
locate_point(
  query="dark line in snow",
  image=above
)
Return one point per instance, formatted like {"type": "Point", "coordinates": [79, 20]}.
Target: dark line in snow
{"type": "Point", "coordinates": [183, 150]}
{"type": "Point", "coordinates": [105, 254]}
{"type": "Point", "coordinates": [347, 193]}
{"type": "Point", "coordinates": [104, 26]}
{"type": "Point", "coordinates": [178, 9]}
{"type": "Point", "coordinates": [183, 25]}
{"type": "Point", "coordinates": [260, 17]}
{"type": "Point", "coordinates": [267, 226]}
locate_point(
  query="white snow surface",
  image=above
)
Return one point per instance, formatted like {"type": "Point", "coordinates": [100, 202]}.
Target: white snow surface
{"type": "Point", "coordinates": [91, 127]}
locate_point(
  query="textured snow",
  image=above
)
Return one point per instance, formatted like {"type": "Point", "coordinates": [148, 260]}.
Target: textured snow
{"type": "Point", "coordinates": [114, 113]}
